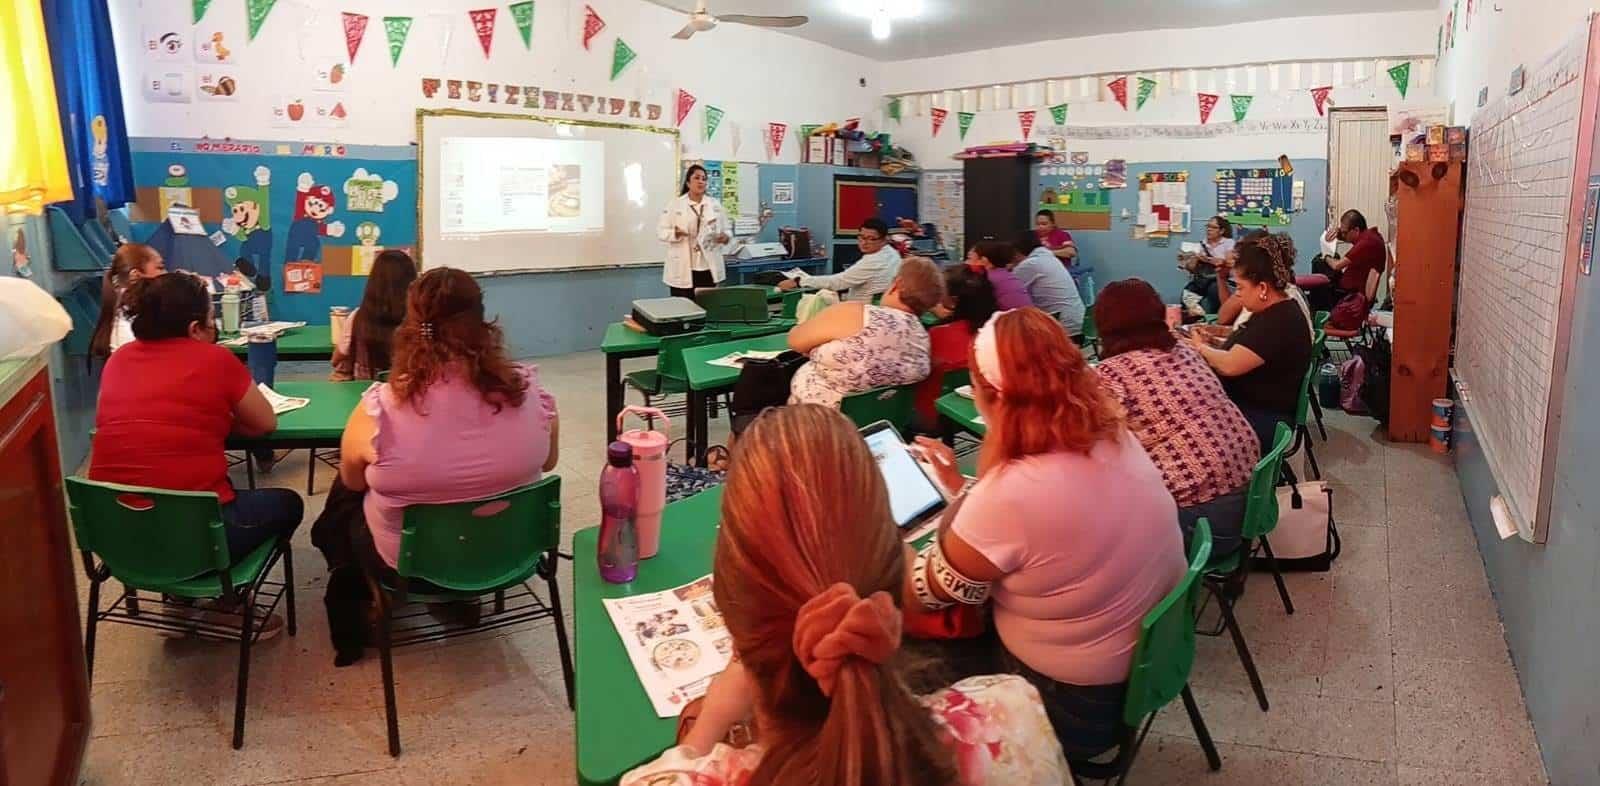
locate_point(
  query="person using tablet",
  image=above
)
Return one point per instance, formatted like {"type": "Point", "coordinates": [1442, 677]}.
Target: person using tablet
{"type": "Point", "coordinates": [1069, 530]}
{"type": "Point", "coordinates": [807, 564]}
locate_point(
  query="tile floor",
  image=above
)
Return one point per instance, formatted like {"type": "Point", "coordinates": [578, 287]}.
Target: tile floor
{"type": "Point", "coordinates": [1393, 670]}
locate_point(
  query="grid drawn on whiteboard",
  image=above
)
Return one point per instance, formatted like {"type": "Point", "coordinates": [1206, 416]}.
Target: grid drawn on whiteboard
{"type": "Point", "coordinates": [1514, 237]}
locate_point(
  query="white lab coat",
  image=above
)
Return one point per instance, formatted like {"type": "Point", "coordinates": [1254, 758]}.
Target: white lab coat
{"type": "Point", "coordinates": [678, 271]}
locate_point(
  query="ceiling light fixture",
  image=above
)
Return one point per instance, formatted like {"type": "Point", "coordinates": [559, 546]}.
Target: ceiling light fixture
{"type": "Point", "coordinates": [883, 13]}
{"type": "Point", "coordinates": [880, 28]}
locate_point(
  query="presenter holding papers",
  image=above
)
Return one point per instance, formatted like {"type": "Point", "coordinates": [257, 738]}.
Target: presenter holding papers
{"type": "Point", "coordinates": [695, 228]}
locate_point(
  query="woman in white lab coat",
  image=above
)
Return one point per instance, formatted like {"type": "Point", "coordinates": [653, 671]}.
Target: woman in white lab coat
{"type": "Point", "coordinates": [695, 228]}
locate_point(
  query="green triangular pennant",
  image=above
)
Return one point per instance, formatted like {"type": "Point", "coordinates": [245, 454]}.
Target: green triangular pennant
{"type": "Point", "coordinates": [1241, 107]}
{"type": "Point", "coordinates": [894, 109]}
{"type": "Point", "coordinates": [1401, 74]}
{"type": "Point", "coordinates": [255, 13]}
{"type": "Point", "coordinates": [200, 7]}
{"type": "Point", "coordinates": [713, 119]}
{"type": "Point", "coordinates": [522, 14]}
{"type": "Point", "coordinates": [964, 122]}
{"type": "Point", "coordinates": [807, 130]}
{"type": "Point", "coordinates": [621, 56]}
{"type": "Point", "coordinates": [396, 28]}
{"type": "Point", "coordinates": [1058, 113]}
{"type": "Point", "coordinates": [1146, 87]}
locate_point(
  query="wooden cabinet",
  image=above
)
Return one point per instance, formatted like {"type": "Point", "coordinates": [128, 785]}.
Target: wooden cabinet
{"type": "Point", "coordinates": [1428, 228]}
{"type": "Point", "coordinates": [44, 689]}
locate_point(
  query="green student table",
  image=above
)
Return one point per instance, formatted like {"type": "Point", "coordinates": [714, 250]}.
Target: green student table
{"type": "Point", "coordinates": [312, 342]}
{"type": "Point", "coordinates": [317, 425]}
{"type": "Point", "coordinates": [621, 343]}
{"type": "Point", "coordinates": [706, 378]}
{"type": "Point", "coordinates": [960, 413]}
{"type": "Point", "coordinates": [617, 728]}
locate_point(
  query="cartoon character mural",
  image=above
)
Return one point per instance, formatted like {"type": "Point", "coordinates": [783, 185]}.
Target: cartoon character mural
{"type": "Point", "coordinates": [313, 204]}
{"type": "Point", "coordinates": [250, 223]}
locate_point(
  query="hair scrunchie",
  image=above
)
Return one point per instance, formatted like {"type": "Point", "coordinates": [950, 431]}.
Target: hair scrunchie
{"type": "Point", "coordinates": [838, 624]}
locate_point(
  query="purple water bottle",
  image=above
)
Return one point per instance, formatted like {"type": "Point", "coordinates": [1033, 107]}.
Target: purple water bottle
{"type": "Point", "coordinates": [619, 498]}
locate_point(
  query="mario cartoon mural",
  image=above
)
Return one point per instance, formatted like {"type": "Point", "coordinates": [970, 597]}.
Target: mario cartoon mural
{"type": "Point", "coordinates": [250, 222]}
{"type": "Point", "coordinates": [313, 204]}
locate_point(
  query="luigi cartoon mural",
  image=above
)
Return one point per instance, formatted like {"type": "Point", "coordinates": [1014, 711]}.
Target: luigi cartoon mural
{"type": "Point", "coordinates": [249, 221]}
{"type": "Point", "coordinates": [313, 204]}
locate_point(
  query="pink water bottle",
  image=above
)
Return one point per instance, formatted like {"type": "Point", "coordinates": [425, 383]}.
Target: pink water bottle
{"type": "Point", "coordinates": [650, 459]}
{"type": "Point", "coordinates": [618, 546]}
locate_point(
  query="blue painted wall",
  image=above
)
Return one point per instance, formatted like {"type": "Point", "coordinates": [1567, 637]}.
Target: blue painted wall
{"type": "Point", "coordinates": [1547, 594]}
{"type": "Point", "coordinates": [1116, 255]}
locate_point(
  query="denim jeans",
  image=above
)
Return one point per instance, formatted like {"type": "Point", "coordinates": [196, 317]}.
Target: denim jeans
{"type": "Point", "coordinates": [1225, 514]}
{"type": "Point", "coordinates": [1265, 424]}
{"type": "Point", "coordinates": [256, 516]}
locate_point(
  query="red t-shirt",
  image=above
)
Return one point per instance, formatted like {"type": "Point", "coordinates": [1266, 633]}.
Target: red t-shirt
{"type": "Point", "coordinates": [1368, 254]}
{"type": "Point", "coordinates": [950, 348]}
{"type": "Point", "coordinates": [165, 409]}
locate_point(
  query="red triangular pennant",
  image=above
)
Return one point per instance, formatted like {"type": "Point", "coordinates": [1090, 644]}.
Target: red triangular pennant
{"type": "Point", "coordinates": [1026, 118]}
{"type": "Point", "coordinates": [483, 25]}
{"type": "Point", "coordinates": [1208, 102]}
{"type": "Point", "coordinates": [1320, 96]}
{"type": "Point", "coordinates": [355, 28]}
{"type": "Point", "coordinates": [685, 103]}
{"type": "Point", "coordinates": [938, 118]}
{"type": "Point", "coordinates": [1119, 90]}
{"type": "Point", "coordinates": [775, 132]}
{"type": "Point", "coordinates": [592, 25]}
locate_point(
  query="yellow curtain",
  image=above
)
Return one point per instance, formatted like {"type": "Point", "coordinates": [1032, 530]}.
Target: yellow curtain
{"type": "Point", "coordinates": [33, 160]}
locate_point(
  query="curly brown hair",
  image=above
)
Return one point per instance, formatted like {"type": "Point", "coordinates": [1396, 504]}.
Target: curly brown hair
{"type": "Point", "coordinates": [444, 333]}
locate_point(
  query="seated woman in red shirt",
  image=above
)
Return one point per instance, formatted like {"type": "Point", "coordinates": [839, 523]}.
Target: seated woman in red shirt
{"type": "Point", "coordinates": [168, 401]}
{"type": "Point", "coordinates": [968, 304]}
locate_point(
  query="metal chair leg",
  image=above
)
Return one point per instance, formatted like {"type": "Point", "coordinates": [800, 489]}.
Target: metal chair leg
{"type": "Point", "coordinates": [1316, 412]}
{"type": "Point", "coordinates": [386, 656]}
{"type": "Point", "coordinates": [1311, 455]}
{"type": "Point", "coordinates": [561, 639]}
{"type": "Point", "coordinates": [311, 472]}
{"type": "Point", "coordinates": [133, 601]}
{"type": "Point", "coordinates": [1232, 624]}
{"type": "Point", "coordinates": [500, 601]}
{"type": "Point", "coordinates": [248, 613]}
{"type": "Point", "coordinates": [249, 470]}
{"type": "Point", "coordinates": [1277, 576]}
{"type": "Point", "coordinates": [288, 582]}
{"type": "Point", "coordinates": [1200, 731]}
{"type": "Point", "coordinates": [90, 625]}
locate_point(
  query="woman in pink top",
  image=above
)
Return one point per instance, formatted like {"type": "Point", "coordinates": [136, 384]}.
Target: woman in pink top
{"type": "Point", "coordinates": [1058, 240]}
{"type": "Point", "coordinates": [457, 420]}
{"type": "Point", "coordinates": [1069, 528]}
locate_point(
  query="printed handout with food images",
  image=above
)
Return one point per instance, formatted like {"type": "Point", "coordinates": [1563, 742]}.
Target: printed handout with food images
{"type": "Point", "coordinates": [676, 640]}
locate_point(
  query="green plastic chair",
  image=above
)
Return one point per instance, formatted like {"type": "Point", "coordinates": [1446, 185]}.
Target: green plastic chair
{"type": "Point", "coordinates": [469, 551]}
{"type": "Point", "coordinates": [670, 376]}
{"type": "Point", "coordinates": [791, 304]}
{"type": "Point", "coordinates": [741, 305]}
{"type": "Point", "coordinates": [1260, 518]}
{"type": "Point", "coordinates": [1319, 320]}
{"type": "Point", "coordinates": [1302, 410]}
{"type": "Point", "coordinates": [1319, 355]}
{"type": "Point", "coordinates": [1162, 660]}
{"type": "Point", "coordinates": [1091, 334]}
{"type": "Point", "coordinates": [894, 404]}
{"type": "Point", "coordinates": [953, 379]}
{"type": "Point", "coordinates": [172, 544]}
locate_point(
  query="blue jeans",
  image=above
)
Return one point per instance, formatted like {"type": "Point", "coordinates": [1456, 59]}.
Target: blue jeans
{"type": "Point", "coordinates": [1225, 514]}
{"type": "Point", "coordinates": [256, 516]}
{"type": "Point", "coordinates": [1265, 424]}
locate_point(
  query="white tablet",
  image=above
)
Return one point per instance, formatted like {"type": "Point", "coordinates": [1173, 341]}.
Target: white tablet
{"type": "Point", "coordinates": [913, 497]}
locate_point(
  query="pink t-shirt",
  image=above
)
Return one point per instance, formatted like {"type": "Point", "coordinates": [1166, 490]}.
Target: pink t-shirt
{"type": "Point", "coordinates": [1088, 545]}
{"type": "Point", "coordinates": [455, 449]}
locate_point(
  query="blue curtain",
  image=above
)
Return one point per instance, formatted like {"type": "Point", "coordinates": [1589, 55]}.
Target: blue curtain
{"type": "Point", "coordinates": [89, 96]}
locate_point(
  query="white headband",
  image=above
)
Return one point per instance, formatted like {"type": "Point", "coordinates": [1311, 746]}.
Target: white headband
{"type": "Point", "coordinates": [988, 354]}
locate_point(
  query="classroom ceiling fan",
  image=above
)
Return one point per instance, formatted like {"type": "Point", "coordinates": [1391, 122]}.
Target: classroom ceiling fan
{"type": "Point", "coordinates": [701, 20]}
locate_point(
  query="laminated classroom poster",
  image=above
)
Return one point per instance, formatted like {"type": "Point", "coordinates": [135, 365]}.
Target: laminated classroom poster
{"type": "Point", "coordinates": [676, 641]}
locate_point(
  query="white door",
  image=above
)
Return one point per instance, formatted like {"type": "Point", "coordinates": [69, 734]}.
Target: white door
{"type": "Point", "coordinates": [1360, 159]}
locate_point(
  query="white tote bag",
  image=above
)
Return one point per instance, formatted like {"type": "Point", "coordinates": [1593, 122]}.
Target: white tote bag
{"type": "Point", "coordinates": [1306, 537]}
{"type": "Point", "coordinates": [30, 319]}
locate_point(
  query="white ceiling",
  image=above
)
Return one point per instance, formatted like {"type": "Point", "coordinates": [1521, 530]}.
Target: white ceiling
{"type": "Point", "coordinates": [950, 26]}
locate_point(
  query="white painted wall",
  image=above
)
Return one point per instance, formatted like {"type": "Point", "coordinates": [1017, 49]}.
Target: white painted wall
{"type": "Point", "coordinates": [1522, 32]}
{"type": "Point", "coordinates": [756, 76]}
{"type": "Point", "coordinates": [1397, 34]}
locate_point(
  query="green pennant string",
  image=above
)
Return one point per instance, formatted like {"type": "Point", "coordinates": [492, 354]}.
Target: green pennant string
{"type": "Point", "coordinates": [1241, 107]}
{"type": "Point", "coordinates": [1147, 86]}
{"type": "Point", "coordinates": [964, 122]}
{"type": "Point", "coordinates": [200, 7]}
{"type": "Point", "coordinates": [1401, 74]}
{"type": "Point", "coordinates": [396, 28]}
{"type": "Point", "coordinates": [621, 56]}
{"type": "Point", "coordinates": [807, 130]}
{"type": "Point", "coordinates": [1058, 113]}
{"type": "Point", "coordinates": [894, 109]}
{"type": "Point", "coordinates": [256, 13]}
{"type": "Point", "coordinates": [713, 119]}
{"type": "Point", "coordinates": [522, 14]}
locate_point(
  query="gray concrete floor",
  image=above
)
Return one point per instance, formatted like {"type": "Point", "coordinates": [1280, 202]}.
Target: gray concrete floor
{"type": "Point", "coordinates": [1393, 670]}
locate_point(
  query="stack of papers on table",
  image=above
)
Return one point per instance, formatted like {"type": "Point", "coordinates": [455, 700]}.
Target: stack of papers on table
{"type": "Point", "coordinates": [281, 403]}
{"type": "Point", "coordinates": [274, 329]}
{"type": "Point", "coordinates": [676, 641]}
{"type": "Point", "coordinates": [737, 359]}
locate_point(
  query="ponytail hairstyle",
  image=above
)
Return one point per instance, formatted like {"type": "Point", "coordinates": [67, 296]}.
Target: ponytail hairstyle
{"type": "Point", "coordinates": [807, 551]}
{"type": "Point", "coordinates": [383, 308]}
{"type": "Point", "coordinates": [444, 334]}
{"type": "Point", "coordinates": [127, 265]}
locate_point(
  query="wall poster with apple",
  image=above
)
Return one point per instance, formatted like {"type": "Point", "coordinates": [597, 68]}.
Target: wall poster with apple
{"type": "Point", "coordinates": [304, 220]}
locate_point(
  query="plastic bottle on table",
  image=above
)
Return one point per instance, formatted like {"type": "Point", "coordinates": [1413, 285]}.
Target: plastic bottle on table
{"type": "Point", "coordinates": [618, 548]}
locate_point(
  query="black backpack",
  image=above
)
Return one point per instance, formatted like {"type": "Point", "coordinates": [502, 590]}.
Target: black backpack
{"type": "Point", "coordinates": [1375, 387]}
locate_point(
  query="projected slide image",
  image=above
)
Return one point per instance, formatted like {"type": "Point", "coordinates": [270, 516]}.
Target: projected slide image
{"type": "Point", "coordinates": [521, 185]}
{"type": "Point", "coordinates": [566, 191]}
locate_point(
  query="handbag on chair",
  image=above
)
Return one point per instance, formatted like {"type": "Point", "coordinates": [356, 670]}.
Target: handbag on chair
{"type": "Point", "coordinates": [763, 382]}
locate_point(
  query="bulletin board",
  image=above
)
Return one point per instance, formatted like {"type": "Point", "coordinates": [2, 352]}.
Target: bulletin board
{"type": "Point", "coordinates": [737, 184]}
{"type": "Point", "coordinates": [1077, 192]}
{"type": "Point", "coordinates": [1255, 197]}
{"type": "Point", "coordinates": [1164, 207]}
{"type": "Point", "coordinates": [944, 202]}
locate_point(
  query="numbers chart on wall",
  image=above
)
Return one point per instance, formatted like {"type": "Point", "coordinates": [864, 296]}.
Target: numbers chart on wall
{"type": "Point", "coordinates": [1518, 268]}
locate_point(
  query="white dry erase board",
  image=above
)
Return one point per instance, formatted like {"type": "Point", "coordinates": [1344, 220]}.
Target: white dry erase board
{"type": "Point", "coordinates": [519, 193]}
{"type": "Point", "coordinates": [1527, 171]}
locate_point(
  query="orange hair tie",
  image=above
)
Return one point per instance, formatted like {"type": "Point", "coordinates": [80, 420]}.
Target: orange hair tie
{"type": "Point", "coordinates": [839, 624]}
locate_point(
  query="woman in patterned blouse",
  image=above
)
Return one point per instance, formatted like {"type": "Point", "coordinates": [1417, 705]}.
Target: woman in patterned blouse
{"type": "Point", "coordinates": [1177, 408]}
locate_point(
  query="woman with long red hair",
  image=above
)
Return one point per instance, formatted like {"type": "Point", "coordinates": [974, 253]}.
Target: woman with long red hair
{"type": "Point", "coordinates": [1069, 527]}
{"type": "Point", "coordinates": [809, 568]}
